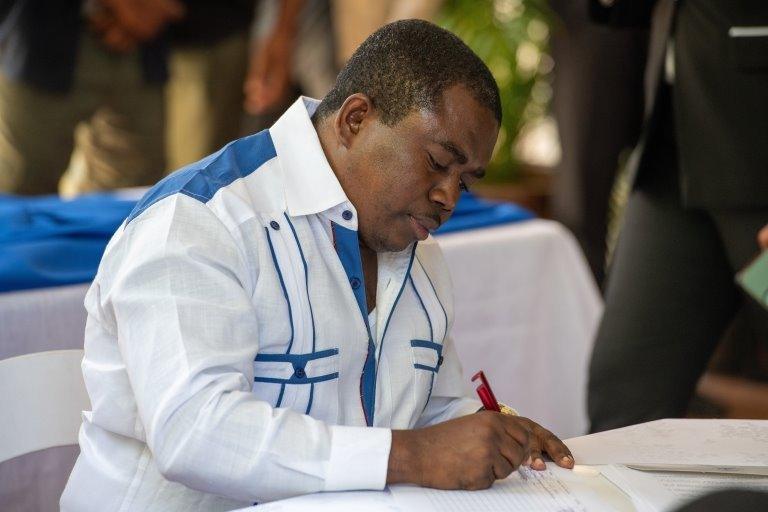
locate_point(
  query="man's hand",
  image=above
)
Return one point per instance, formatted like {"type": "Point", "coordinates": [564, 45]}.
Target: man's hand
{"type": "Point", "coordinates": [471, 452]}
{"type": "Point", "coordinates": [545, 442]}
{"type": "Point", "coordinates": [762, 237]}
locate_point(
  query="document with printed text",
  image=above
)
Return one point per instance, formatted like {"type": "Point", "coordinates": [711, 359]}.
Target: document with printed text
{"type": "Point", "coordinates": [552, 490]}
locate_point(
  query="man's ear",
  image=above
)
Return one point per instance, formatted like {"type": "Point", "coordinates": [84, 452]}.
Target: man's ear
{"type": "Point", "coordinates": [356, 110]}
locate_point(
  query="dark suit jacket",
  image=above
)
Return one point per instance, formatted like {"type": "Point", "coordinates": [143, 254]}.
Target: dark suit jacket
{"type": "Point", "coordinates": [719, 96]}
{"type": "Point", "coordinates": [39, 41]}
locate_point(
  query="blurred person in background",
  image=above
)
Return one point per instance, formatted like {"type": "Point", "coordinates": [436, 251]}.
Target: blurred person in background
{"type": "Point", "coordinates": [597, 102]}
{"type": "Point", "coordinates": [99, 64]}
{"type": "Point", "coordinates": [302, 50]}
{"type": "Point", "coordinates": [700, 197]}
{"type": "Point", "coordinates": [207, 64]}
{"type": "Point", "coordinates": [293, 53]}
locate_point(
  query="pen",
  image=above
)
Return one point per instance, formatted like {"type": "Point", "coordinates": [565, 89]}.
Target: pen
{"type": "Point", "coordinates": [485, 393]}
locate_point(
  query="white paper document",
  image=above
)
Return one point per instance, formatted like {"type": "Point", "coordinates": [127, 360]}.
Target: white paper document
{"type": "Point", "coordinates": [659, 491]}
{"type": "Point", "coordinates": [554, 489]}
{"type": "Point", "coordinates": [720, 446]}
{"type": "Point", "coordinates": [351, 501]}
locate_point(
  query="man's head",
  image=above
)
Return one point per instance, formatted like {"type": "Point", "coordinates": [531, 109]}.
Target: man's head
{"type": "Point", "coordinates": [411, 121]}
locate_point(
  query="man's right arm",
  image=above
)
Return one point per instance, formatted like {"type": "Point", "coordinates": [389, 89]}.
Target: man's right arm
{"type": "Point", "coordinates": [178, 291]}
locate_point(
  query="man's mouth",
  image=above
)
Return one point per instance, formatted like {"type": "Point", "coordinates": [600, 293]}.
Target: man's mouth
{"type": "Point", "coordinates": [422, 226]}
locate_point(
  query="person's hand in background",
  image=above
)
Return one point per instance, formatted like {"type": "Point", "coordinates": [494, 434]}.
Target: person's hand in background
{"type": "Point", "coordinates": [268, 80]}
{"type": "Point", "coordinates": [124, 24]}
{"type": "Point", "coordinates": [762, 237]}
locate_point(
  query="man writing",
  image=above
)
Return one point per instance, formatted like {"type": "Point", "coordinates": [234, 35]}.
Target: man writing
{"type": "Point", "coordinates": [274, 319]}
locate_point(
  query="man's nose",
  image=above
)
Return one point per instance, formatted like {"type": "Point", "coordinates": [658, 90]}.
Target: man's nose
{"type": "Point", "coordinates": [446, 194]}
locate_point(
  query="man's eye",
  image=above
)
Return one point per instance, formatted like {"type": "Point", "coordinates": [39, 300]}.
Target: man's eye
{"type": "Point", "coordinates": [463, 186]}
{"type": "Point", "coordinates": [435, 165]}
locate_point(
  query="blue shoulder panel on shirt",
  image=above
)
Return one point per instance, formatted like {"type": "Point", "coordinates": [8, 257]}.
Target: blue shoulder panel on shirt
{"type": "Point", "coordinates": [202, 179]}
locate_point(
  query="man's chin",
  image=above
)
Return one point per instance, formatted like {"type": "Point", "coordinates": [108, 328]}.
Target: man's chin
{"type": "Point", "coordinates": [398, 245]}
{"type": "Point", "coordinates": [391, 245]}
{"type": "Point", "coordinates": [396, 242]}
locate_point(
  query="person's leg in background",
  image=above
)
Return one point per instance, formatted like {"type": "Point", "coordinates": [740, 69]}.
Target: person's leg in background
{"type": "Point", "coordinates": [597, 103]}
{"type": "Point", "coordinates": [731, 500]}
{"type": "Point", "coordinates": [204, 98]}
{"type": "Point", "coordinates": [123, 143]}
{"type": "Point", "coordinates": [37, 136]}
{"type": "Point", "coordinates": [670, 295]}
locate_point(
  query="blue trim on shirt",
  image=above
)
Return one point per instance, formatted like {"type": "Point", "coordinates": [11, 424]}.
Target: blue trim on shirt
{"type": "Point", "coordinates": [397, 299]}
{"type": "Point", "coordinates": [296, 359]}
{"type": "Point", "coordinates": [311, 396]}
{"type": "Point", "coordinates": [297, 380]}
{"type": "Point", "coordinates": [428, 344]}
{"type": "Point", "coordinates": [299, 362]}
{"type": "Point", "coordinates": [437, 348]}
{"type": "Point", "coordinates": [282, 286]}
{"type": "Point", "coordinates": [201, 180]}
{"type": "Point", "coordinates": [445, 332]}
{"type": "Point", "coordinates": [306, 278]}
{"type": "Point", "coordinates": [348, 250]}
{"type": "Point", "coordinates": [426, 313]}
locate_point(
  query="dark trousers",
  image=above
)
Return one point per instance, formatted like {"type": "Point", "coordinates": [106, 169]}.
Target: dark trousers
{"type": "Point", "coordinates": [670, 294]}
{"type": "Point", "coordinates": [597, 103]}
{"type": "Point", "coordinates": [729, 501]}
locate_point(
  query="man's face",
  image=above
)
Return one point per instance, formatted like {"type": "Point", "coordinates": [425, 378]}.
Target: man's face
{"type": "Point", "coordinates": [408, 177]}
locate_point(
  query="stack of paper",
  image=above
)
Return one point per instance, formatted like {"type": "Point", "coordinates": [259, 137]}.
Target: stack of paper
{"type": "Point", "coordinates": [681, 459]}
{"type": "Point", "coordinates": [662, 491]}
{"type": "Point", "coordinates": [718, 446]}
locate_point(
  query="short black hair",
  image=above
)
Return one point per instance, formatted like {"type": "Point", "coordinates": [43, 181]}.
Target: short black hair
{"type": "Point", "coordinates": [407, 65]}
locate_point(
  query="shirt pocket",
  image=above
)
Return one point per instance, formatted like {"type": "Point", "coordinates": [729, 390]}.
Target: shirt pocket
{"type": "Point", "coordinates": [748, 47]}
{"type": "Point", "coordinates": [296, 381]}
{"type": "Point", "coordinates": [427, 359]}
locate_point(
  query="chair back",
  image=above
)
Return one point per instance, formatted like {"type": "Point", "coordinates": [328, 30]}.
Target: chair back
{"type": "Point", "coordinates": [41, 399]}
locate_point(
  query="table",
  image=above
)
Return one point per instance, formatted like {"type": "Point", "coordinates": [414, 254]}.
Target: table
{"type": "Point", "coordinates": [526, 311]}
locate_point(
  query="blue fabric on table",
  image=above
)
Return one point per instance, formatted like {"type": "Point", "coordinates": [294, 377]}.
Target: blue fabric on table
{"type": "Point", "coordinates": [473, 212]}
{"type": "Point", "coordinates": [47, 241]}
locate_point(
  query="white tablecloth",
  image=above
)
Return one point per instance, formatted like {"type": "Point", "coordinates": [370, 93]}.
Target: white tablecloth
{"type": "Point", "coordinates": [526, 311]}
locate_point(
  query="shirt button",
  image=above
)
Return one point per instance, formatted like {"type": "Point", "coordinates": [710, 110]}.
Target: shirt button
{"type": "Point", "coordinates": [300, 373]}
{"type": "Point", "coordinates": [439, 361]}
{"type": "Point", "coordinates": [346, 215]}
{"type": "Point", "coordinates": [355, 282]}
{"type": "Point", "coordinates": [274, 225]}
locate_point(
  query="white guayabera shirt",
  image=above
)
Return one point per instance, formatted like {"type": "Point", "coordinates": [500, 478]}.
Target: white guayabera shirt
{"type": "Point", "coordinates": [228, 353]}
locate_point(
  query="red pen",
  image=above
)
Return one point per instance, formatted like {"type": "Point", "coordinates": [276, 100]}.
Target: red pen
{"type": "Point", "coordinates": [485, 393]}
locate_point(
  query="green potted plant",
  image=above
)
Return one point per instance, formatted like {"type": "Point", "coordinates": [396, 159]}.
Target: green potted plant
{"type": "Point", "coordinates": [511, 36]}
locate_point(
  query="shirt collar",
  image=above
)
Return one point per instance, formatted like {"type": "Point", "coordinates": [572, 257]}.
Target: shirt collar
{"type": "Point", "coordinates": [310, 184]}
